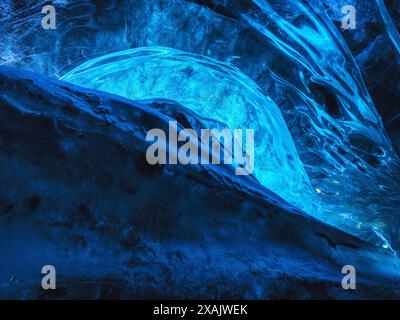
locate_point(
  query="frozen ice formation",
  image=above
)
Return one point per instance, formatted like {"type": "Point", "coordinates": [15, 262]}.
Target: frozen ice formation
{"type": "Point", "coordinates": [213, 90]}
{"type": "Point", "coordinates": [324, 101]}
{"type": "Point", "coordinates": [76, 191]}
{"type": "Point", "coordinates": [221, 92]}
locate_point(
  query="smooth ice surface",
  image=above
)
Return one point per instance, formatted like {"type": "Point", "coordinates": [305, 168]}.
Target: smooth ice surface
{"type": "Point", "coordinates": [221, 92]}
{"type": "Point", "coordinates": [337, 89]}
{"type": "Point", "coordinates": [213, 90]}
{"type": "Point", "coordinates": [75, 191]}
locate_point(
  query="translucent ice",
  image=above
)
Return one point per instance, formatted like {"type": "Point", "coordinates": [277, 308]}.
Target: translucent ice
{"type": "Point", "coordinates": [213, 90]}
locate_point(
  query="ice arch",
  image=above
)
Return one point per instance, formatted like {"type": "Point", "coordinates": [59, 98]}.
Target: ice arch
{"type": "Point", "coordinates": [213, 90]}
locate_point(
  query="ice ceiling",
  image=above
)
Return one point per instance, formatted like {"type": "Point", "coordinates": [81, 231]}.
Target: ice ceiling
{"type": "Point", "coordinates": [284, 68]}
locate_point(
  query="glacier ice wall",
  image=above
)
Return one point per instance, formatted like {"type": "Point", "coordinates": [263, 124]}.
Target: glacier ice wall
{"type": "Point", "coordinates": [337, 90]}
{"type": "Point", "coordinates": [76, 192]}
{"type": "Point", "coordinates": [215, 91]}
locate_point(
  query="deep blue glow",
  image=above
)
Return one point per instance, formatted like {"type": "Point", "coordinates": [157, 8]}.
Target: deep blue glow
{"type": "Point", "coordinates": [324, 103]}
{"type": "Point", "coordinates": [221, 92]}
{"type": "Point", "coordinates": [213, 90]}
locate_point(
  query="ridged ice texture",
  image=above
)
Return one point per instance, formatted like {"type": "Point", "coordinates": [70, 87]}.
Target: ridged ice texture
{"type": "Point", "coordinates": [213, 90]}
{"type": "Point", "coordinates": [327, 82]}
{"type": "Point", "coordinates": [221, 92]}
